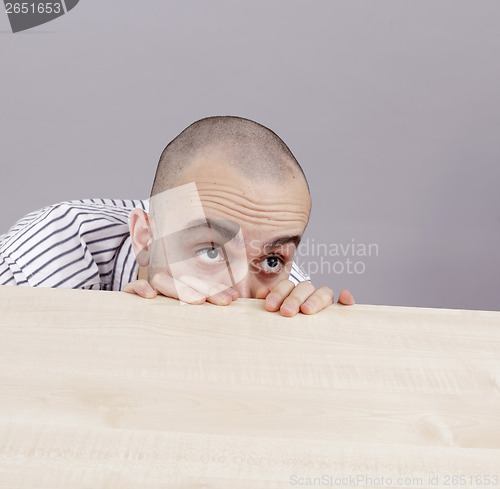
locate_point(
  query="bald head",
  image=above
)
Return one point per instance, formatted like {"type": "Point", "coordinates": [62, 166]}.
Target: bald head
{"type": "Point", "coordinates": [247, 147]}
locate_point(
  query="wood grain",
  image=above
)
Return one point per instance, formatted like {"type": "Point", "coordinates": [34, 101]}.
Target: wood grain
{"type": "Point", "coordinates": [109, 390]}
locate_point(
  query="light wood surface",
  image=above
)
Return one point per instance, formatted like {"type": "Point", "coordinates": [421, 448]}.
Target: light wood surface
{"type": "Point", "coordinates": [105, 390]}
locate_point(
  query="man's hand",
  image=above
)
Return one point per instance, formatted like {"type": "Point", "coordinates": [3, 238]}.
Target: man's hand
{"type": "Point", "coordinates": [289, 299]}
{"type": "Point", "coordinates": [187, 289]}
{"type": "Point", "coordinates": [285, 297]}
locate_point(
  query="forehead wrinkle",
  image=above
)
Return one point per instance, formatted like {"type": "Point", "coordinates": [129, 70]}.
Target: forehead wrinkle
{"type": "Point", "coordinates": [285, 212]}
{"type": "Point", "coordinates": [227, 194]}
{"type": "Point", "coordinates": [261, 220]}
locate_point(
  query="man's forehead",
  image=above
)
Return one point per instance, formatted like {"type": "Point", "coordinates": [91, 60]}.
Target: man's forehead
{"type": "Point", "coordinates": [187, 206]}
{"type": "Point", "coordinates": [216, 172]}
{"type": "Point", "coordinates": [172, 208]}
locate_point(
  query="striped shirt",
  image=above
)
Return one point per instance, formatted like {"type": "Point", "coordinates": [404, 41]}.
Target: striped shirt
{"type": "Point", "coordinates": [77, 244]}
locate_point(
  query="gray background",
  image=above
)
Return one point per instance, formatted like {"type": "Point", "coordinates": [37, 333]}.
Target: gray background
{"type": "Point", "coordinates": [391, 106]}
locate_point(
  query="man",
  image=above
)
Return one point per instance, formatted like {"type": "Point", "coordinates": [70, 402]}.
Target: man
{"type": "Point", "coordinates": [223, 177]}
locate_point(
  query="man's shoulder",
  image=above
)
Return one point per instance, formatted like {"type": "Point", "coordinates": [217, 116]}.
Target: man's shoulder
{"type": "Point", "coordinates": [99, 205]}
{"type": "Point", "coordinates": [112, 209]}
{"type": "Point", "coordinates": [73, 212]}
{"type": "Point", "coordinates": [63, 243]}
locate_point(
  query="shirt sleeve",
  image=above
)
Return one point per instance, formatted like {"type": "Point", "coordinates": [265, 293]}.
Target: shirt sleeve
{"type": "Point", "coordinates": [6, 274]}
{"type": "Point", "coordinates": [72, 244]}
{"type": "Point", "coordinates": [47, 250]}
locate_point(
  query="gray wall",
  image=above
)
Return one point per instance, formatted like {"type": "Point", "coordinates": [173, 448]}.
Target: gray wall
{"type": "Point", "coordinates": [391, 106]}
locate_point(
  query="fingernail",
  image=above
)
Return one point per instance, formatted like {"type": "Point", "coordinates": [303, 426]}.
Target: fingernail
{"type": "Point", "coordinates": [272, 303]}
{"type": "Point", "coordinates": [191, 297]}
{"type": "Point", "coordinates": [288, 309]}
{"type": "Point", "coordinates": [309, 304]}
{"type": "Point", "coordinates": [225, 297]}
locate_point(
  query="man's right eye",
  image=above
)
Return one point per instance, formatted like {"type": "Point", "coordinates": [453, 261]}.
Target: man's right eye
{"type": "Point", "coordinates": [210, 255]}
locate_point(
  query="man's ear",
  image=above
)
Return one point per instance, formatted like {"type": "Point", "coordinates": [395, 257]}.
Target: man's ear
{"type": "Point", "coordinates": [141, 235]}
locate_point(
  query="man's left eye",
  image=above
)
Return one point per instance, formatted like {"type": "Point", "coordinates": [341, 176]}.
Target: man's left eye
{"type": "Point", "coordinates": [210, 255]}
{"type": "Point", "coordinates": [271, 264]}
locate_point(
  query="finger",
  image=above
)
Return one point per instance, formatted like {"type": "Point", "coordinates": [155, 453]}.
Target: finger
{"type": "Point", "coordinates": [317, 301]}
{"type": "Point", "coordinates": [140, 287]}
{"type": "Point", "coordinates": [291, 305]}
{"type": "Point", "coordinates": [278, 294]}
{"type": "Point", "coordinates": [262, 292]}
{"type": "Point", "coordinates": [223, 298]}
{"type": "Point", "coordinates": [170, 287]}
{"type": "Point", "coordinates": [346, 298]}
{"type": "Point", "coordinates": [216, 293]}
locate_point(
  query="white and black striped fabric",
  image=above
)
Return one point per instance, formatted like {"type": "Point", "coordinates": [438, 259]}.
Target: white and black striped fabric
{"type": "Point", "coordinates": [77, 244]}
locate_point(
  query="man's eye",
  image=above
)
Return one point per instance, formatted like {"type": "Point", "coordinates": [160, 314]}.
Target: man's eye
{"type": "Point", "coordinates": [210, 255]}
{"type": "Point", "coordinates": [271, 264]}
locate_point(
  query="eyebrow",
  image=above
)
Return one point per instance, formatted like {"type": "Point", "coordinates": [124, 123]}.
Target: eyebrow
{"type": "Point", "coordinates": [226, 232]}
{"type": "Point", "coordinates": [229, 234]}
{"type": "Point", "coordinates": [276, 243]}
